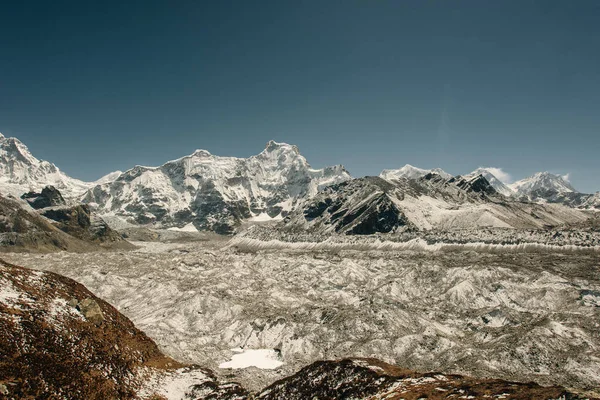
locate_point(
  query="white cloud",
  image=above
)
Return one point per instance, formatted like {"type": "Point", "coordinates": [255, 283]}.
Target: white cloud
{"type": "Point", "coordinates": [567, 177]}
{"type": "Point", "coordinates": [502, 176]}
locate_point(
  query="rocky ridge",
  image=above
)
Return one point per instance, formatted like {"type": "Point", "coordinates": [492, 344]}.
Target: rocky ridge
{"type": "Point", "coordinates": [432, 202]}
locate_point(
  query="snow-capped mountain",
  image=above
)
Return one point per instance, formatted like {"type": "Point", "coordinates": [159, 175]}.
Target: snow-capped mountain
{"type": "Point", "coordinates": [496, 183]}
{"type": "Point", "coordinates": [212, 192]}
{"type": "Point", "coordinates": [542, 185]}
{"type": "Point", "coordinates": [21, 172]}
{"type": "Point", "coordinates": [112, 176]}
{"type": "Point", "coordinates": [410, 172]}
{"type": "Point", "coordinates": [592, 202]}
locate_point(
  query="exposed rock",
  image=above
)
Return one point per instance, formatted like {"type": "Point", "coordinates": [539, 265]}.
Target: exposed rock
{"type": "Point", "coordinates": [79, 221]}
{"type": "Point", "coordinates": [23, 229]}
{"type": "Point", "coordinates": [477, 184]}
{"type": "Point", "coordinates": [361, 206]}
{"type": "Point", "coordinates": [49, 197]}
{"type": "Point", "coordinates": [92, 311]}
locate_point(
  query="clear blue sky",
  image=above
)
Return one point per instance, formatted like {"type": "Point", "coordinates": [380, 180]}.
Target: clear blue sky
{"type": "Point", "coordinates": [99, 86]}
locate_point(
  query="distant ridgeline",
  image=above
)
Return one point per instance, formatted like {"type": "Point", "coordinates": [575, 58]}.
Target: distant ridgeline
{"type": "Point", "coordinates": [202, 191]}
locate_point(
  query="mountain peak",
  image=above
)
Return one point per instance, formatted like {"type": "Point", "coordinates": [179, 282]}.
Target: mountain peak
{"type": "Point", "coordinates": [411, 172]}
{"type": "Point", "coordinates": [201, 153]}
{"type": "Point", "coordinates": [542, 182]}
{"type": "Point", "coordinates": [490, 175]}
{"type": "Point", "coordinates": [277, 146]}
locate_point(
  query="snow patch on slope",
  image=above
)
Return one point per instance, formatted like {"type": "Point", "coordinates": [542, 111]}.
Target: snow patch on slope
{"type": "Point", "coordinates": [259, 358]}
{"type": "Point", "coordinates": [410, 172]}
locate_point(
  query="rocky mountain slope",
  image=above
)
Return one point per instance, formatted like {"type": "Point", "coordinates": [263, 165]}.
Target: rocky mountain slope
{"type": "Point", "coordinates": [212, 192]}
{"type": "Point", "coordinates": [43, 222]}
{"type": "Point", "coordinates": [373, 205]}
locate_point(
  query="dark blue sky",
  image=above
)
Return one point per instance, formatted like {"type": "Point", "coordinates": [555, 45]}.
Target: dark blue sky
{"type": "Point", "coordinates": [99, 86]}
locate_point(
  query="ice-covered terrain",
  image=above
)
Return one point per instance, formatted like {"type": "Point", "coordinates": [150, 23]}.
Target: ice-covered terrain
{"type": "Point", "coordinates": [518, 315]}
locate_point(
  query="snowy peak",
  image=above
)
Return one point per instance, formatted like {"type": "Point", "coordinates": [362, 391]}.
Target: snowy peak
{"type": "Point", "coordinates": [410, 172]}
{"type": "Point", "coordinates": [273, 146]}
{"type": "Point", "coordinates": [542, 185]}
{"type": "Point", "coordinates": [20, 171]}
{"type": "Point", "coordinates": [14, 149]}
{"type": "Point", "coordinates": [496, 183]}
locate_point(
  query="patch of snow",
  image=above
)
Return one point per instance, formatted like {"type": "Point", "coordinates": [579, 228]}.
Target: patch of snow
{"type": "Point", "coordinates": [174, 385]}
{"type": "Point", "coordinates": [188, 228]}
{"type": "Point", "coordinates": [264, 217]}
{"type": "Point", "coordinates": [259, 358]}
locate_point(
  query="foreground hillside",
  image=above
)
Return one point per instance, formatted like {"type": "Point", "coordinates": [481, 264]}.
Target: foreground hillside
{"type": "Point", "coordinates": [59, 341]}
{"type": "Point", "coordinates": [515, 315]}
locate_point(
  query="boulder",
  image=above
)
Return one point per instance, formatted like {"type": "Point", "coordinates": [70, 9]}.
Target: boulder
{"type": "Point", "coordinates": [91, 310]}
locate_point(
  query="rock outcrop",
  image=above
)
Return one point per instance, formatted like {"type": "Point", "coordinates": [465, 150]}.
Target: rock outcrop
{"type": "Point", "coordinates": [49, 197]}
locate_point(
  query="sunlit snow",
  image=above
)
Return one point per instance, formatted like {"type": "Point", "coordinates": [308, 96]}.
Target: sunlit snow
{"type": "Point", "coordinates": [260, 358]}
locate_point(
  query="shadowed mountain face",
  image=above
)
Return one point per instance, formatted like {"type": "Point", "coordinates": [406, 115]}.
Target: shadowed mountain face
{"type": "Point", "coordinates": [22, 230]}
{"type": "Point", "coordinates": [373, 205]}
{"type": "Point", "coordinates": [361, 206]}
{"type": "Point", "coordinates": [53, 226]}
{"type": "Point", "coordinates": [49, 197]}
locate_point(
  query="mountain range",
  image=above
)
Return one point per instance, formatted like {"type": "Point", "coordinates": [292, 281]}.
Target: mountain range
{"type": "Point", "coordinates": [208, 192]}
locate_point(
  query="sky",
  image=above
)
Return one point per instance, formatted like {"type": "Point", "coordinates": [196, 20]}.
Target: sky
{"type": "Point", "coordinates": [371, 84]}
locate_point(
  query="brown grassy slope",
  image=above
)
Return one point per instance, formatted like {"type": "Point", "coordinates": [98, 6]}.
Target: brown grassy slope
{"type": "Point", "coordinates": [49, 349]}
